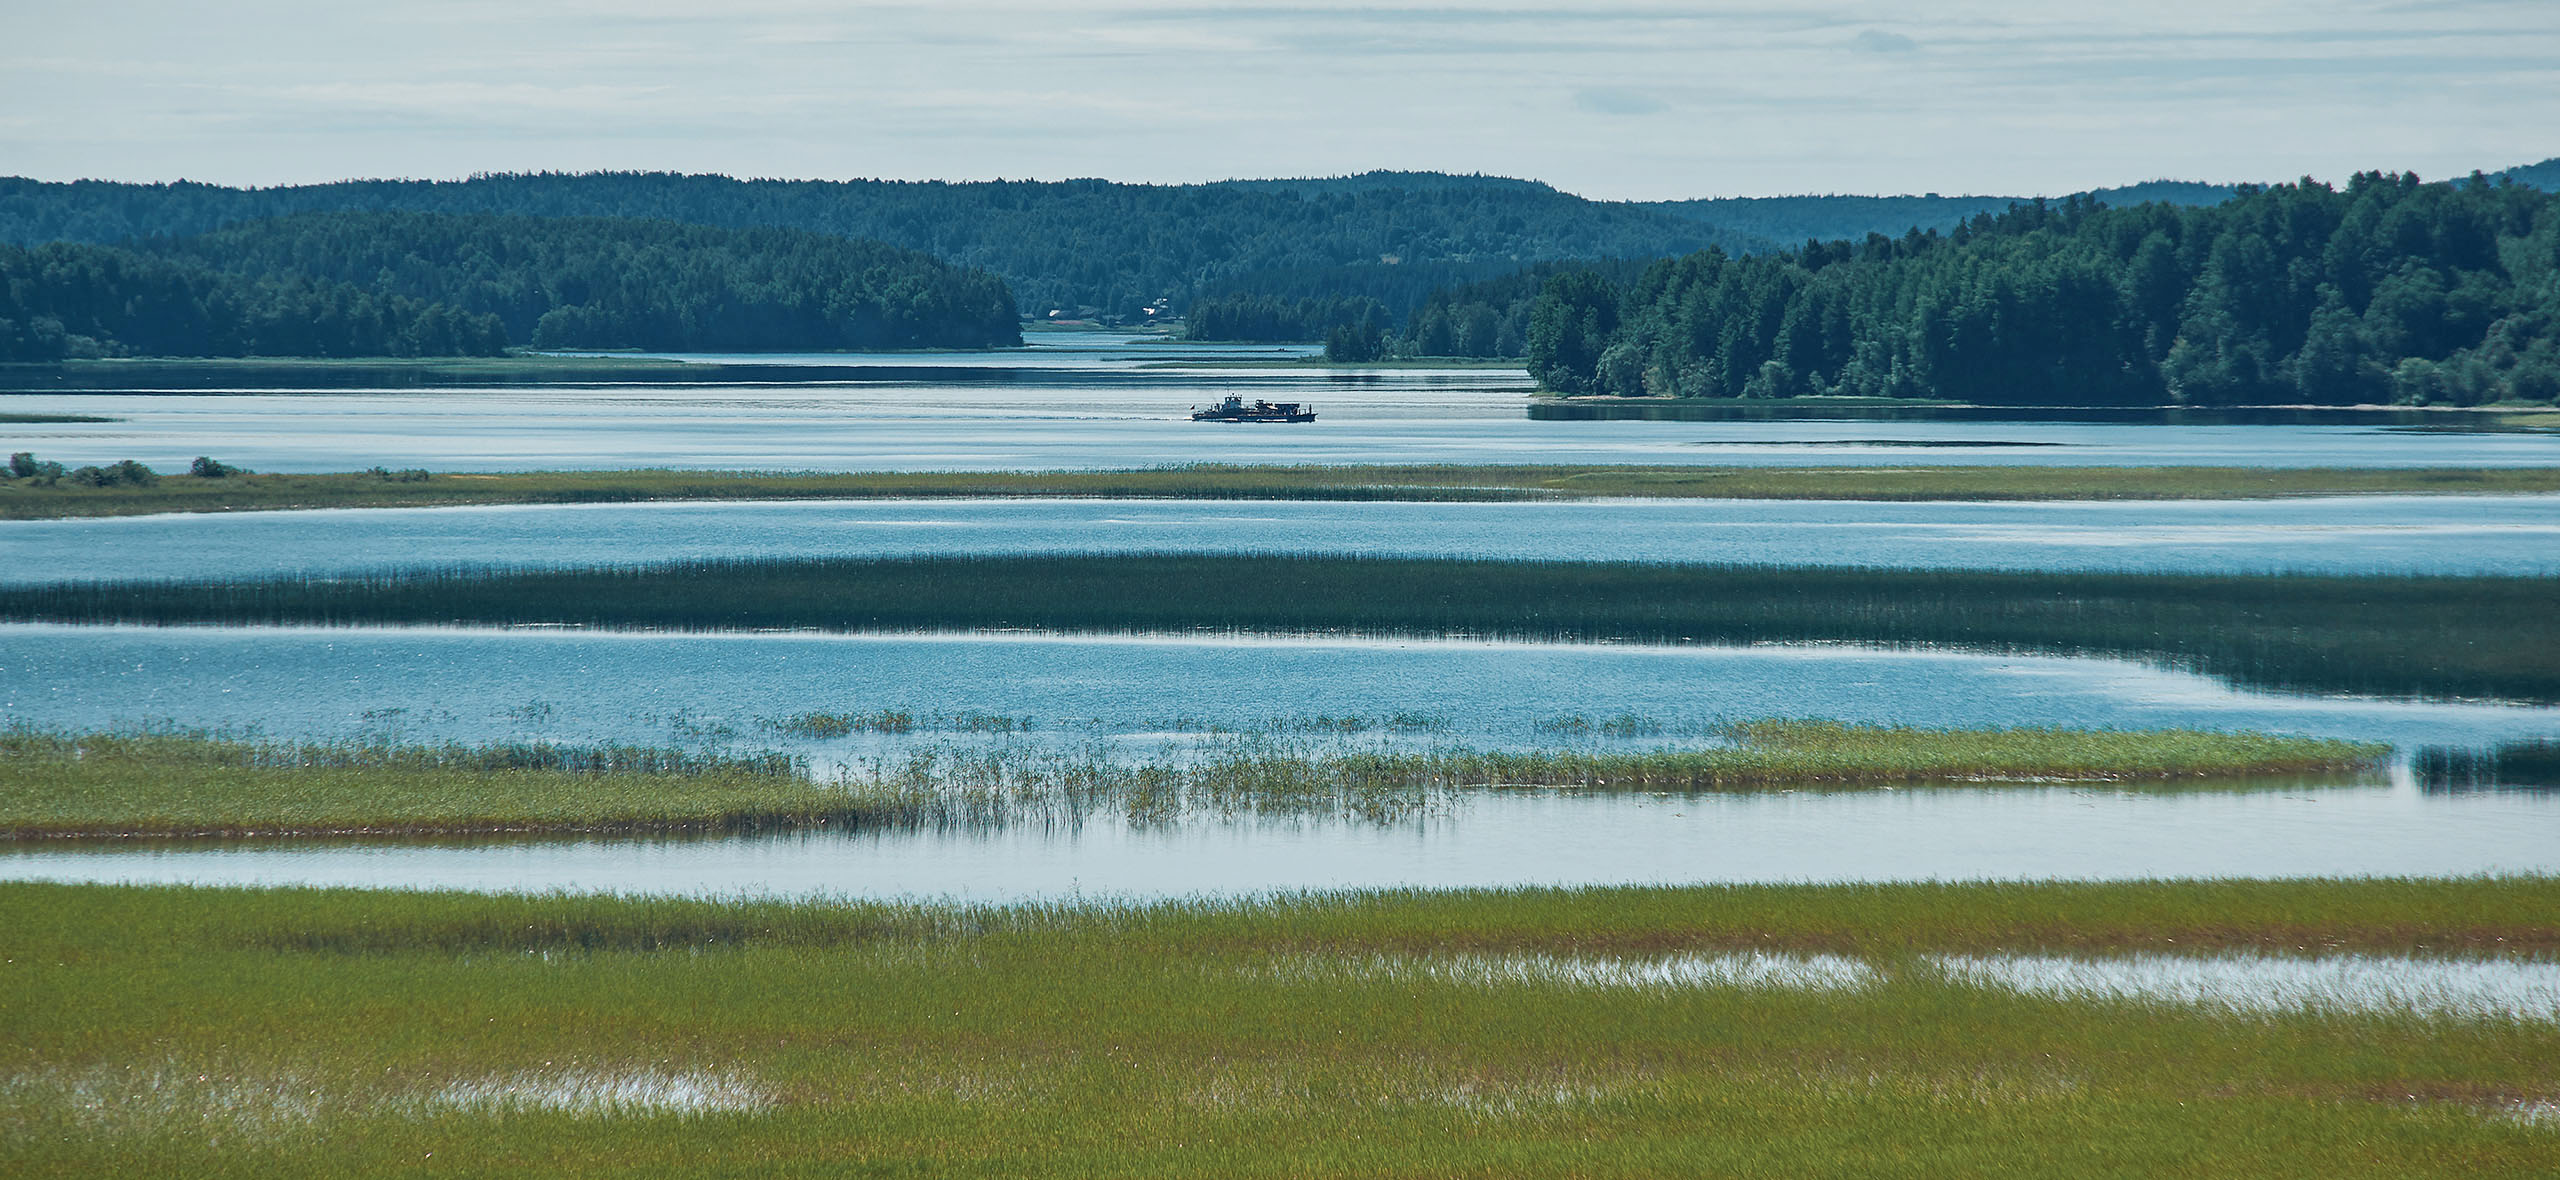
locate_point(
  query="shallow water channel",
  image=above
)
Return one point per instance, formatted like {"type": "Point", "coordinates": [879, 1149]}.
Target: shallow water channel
{"type": "Point", "coordinates": [1153, 696]}
{"type": "Point", "coordinates": [1493, 840]}
{"type": "Point", "coordinates": [2460, 535]}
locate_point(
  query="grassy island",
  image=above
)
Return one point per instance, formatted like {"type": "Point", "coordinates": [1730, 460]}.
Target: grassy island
{"type": "Point", "coordinates": [184, 785]}
{"type": "Point", "coordinates": [29, 500]}
{"type": "Point", "coordinates": [1823, 1031]}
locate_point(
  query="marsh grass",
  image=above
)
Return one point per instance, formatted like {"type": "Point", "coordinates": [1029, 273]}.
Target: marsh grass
{"type": "Point", "coordinates": [836, 725]}
{"type": "Point", "coordinates": [1531, 1032]}
{"type": "Point", "coordinates": [192, 784]}
{"type": "Point", "coordinates": [25, 500]}
{"type": "Point", "coordinates": [169, 785]}
{"type": "Point", "coordinates": [2493, 637]}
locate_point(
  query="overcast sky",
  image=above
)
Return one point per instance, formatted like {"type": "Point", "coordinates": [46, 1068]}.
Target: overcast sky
{"type": "Point", "coordinates": [1613, 98]}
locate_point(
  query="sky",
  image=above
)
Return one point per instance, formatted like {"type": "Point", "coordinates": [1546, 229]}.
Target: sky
{"type": "Point", "coordinates": [1615, 99]}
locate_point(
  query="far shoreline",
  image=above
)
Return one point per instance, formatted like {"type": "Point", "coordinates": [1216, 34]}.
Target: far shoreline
{"type": "Point", "coordinates": [28, 499]}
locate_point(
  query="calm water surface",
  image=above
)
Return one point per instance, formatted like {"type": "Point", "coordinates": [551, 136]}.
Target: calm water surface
{"type": "Point", "coordinates": [1496, 840]}
{"type": "Point", "coordinates": [2399, 534]}
{"type": "Point", "coordinates": [1138, 692]}
{"type": "Point", "coordinates": [1082, 405]}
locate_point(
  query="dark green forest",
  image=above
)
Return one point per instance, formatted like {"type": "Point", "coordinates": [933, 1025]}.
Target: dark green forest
{"type": "Point", "coordinates": [2387, 290]}
{"type": "Point", "coordinates": [617, 283]}
{"type": "Point", "coordinates": [1266, 319]}
{"type": "Point", "coordinates": [1832, 218]}
{"type": "Point", "coordinates": [404, 284]}
{"type": "Point", "coordinates": [71, 300]}
{"type": "Point", "coordinates": [1491, 318]}
{"type": "Point", "coordinates": [1076, 244]}
{"type": "Point", "coordinates": [1483, 319]}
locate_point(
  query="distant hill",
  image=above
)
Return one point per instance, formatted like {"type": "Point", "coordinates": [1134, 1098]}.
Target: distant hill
{"type": "Point", "coordinates": [2544, 176]}
{"type": "Point", "coordinates": [1382, 179]}
{"type": "Point", "coordinates": [593, 282]}
{"type": "Point", "coordinates": [428, 284]}
{"type": "Point", "coordinates": [1059, 244]}
{"type": "Point", "coordinates": [1093, 245]}
{"type": "Point", "coordinates": [1796, 220]}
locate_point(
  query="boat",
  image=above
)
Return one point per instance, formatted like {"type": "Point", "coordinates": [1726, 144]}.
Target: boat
{"type": "Point", "coordinates": [1235, 410]}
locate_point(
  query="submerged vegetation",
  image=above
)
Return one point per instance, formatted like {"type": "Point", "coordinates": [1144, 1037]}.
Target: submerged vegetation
{"type": "Point", "coordinates": [28, 497]}
{"type": "Point", "coordinates": [1796, 1030]}
{"type": "Point", "coordinates": [2430, 636]}
{"type": "Point", "coordinates": [184, 784]}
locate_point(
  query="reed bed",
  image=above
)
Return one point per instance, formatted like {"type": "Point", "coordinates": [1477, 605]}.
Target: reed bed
{"type": "Point", "coordinates": [277, 1033]}
{"type": "Point", "coordinates": [2488, 637]}
{"type": "Point", "coordinates": [27, 500]}
{"type": "Point", "coordinates": [173, 784]}
{"type": "Point", "coordinates": [128, 785]}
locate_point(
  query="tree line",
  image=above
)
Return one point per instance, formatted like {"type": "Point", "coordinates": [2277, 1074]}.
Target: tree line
{"type": "Point", "coordinates": [2387, 290]}
{"type": "Point", "coordinates": [626, 283]}
{"type": "Point", "coordinates": [405, 284]}
{"type": "Point", "coordinates": [1486, 319]}
{"type": "Point", "coordinates": [1069, 245]}
{"type": "Point", "coordinates": [67, 300]}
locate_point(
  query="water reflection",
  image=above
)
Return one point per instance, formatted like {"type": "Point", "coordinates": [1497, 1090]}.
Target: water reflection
{"type": "Point", "coordinates": [1496, 839]}
{"type": "Point", "coordinates": [2508, 766]}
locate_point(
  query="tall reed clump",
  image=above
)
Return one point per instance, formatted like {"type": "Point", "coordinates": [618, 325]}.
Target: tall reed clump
{"type": "Point", "coordinates": [2492, 637]}
{"type": "Point", "coordinates": [193, 784]}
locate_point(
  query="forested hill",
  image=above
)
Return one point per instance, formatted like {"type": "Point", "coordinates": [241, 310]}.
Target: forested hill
{"type": "Point", "coordinates": [410, 284]}
{"type": "Point", "coordinates": [1796, 220]}
{"type": "Point", "coordinates": [1065, 244]}
{"type": "Point", "coordinates": [2386, 290]}
{"type": "Point", "coordinates": [72, 299]}
{"type": "Point", "coordinates": [625, 283]}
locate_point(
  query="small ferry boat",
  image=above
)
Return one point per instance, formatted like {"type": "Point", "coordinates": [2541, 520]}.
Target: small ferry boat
{"type": "Point", "coordinates": [1235, 410]}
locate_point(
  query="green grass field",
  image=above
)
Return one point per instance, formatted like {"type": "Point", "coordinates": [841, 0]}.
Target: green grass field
{"type": "Point", "coordinates": [27, 500]}
{"type": "Point", "coordinates": [59, 786]}
{"type": "Point", "coordinates": [2404, 635]}
{"type": "Point", "coordinates": [268, 1034]}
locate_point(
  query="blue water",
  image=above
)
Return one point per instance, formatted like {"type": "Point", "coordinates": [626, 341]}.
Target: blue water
{"type": "Point", "coordinates": [1082, 404]}
{"type": "Point", "coordinates": [2389, 534]}
{"type": "Point", "coordinates": [478, 685]}
{"type": "Point", "coordinates": [1087, 402]}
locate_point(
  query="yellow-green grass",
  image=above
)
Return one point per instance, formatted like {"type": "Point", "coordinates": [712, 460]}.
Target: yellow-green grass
{"type": "Point", "coordinates": [344, 1033]}
{"type": "Point", "coordinates": [156, 784]}
{"type": "Point", "coordinates": [165, 785]}
{"type": "Point", "coordinates": [28, 500]}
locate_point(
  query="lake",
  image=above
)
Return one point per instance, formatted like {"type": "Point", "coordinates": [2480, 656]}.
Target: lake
{"type": "Point", "coordinates": [1084, 402]}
